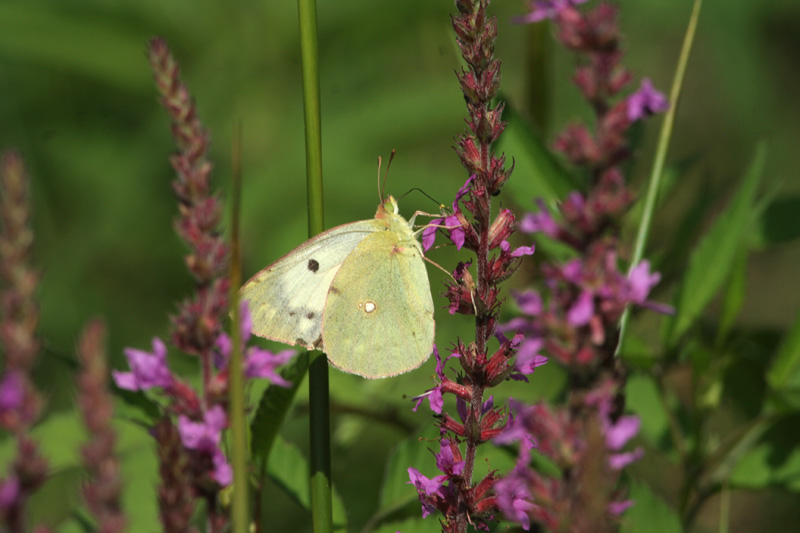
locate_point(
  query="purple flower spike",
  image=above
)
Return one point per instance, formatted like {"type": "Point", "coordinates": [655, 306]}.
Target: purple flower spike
{"type": "Point", "coordinates": [646, 101]}
{"type": "Point", "coordinates": [148, 370]}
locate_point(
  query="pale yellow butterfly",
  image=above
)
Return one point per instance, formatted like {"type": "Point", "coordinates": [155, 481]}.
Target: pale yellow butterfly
{"type": "Point", "coordinates": [359, 291]}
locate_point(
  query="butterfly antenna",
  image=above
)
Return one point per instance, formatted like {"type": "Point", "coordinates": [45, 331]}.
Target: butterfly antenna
{"type": "Point", "coordinates": [386, 175]}
{"type": "Point", "coordinates": [431, 198]}
{"type": "Point", "coordinates": [380, 186]}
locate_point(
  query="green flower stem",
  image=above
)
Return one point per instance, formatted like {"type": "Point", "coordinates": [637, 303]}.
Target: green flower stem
{"type": "Point", "coordinates": [661, 154]}
{"type": "Point", "coordinates": [319, 410]}
{"type": "Point", "coordinates": [241, 494]}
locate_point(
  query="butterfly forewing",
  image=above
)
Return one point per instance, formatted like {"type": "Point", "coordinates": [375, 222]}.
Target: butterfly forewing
{"type": "Point", "coordinates": [287, 298]}
{"type": "Point", "coordinates": [378, 318]}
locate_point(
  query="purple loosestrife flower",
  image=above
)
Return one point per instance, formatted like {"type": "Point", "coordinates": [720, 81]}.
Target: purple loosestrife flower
{"type": "Point", "coordinates": [434, 395]}
{"type": "Point", "coordinates": [148, 369]}
{"type": "Point", "coordinates": [545, 9]}
{"type": "Point", "coordinates": [574, 315]}
{"type": "Point", "coordinates": [584, 447]}
{"type": "Point", "coordinates": [453, 225]}
{"type": "Point", "coordinates": [646, 101]}
{"type": "Point", "coordinates": [205, 437]}
{"type": "Point", "coordinates": [258, 363]}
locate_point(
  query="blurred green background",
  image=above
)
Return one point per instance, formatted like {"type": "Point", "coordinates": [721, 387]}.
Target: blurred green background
{"type": "Point", "coordinates": [79, 103]}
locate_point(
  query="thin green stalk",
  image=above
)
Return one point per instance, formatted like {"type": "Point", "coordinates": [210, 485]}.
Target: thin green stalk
{"type": "Point", "coordinates": [319, 410]}
{"type": "Point", "coordinates": [241, 494]}
{"type": "Point", "coordinates": [661, 154]}
{"type": "Point", "coordinates": [538, 71]}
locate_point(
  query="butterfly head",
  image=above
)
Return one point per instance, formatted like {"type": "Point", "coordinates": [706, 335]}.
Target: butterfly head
{"type": "Point", "coordinates": [387, 207]}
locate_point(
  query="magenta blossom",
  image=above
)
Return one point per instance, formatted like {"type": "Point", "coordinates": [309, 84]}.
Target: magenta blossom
{"type": "Point", "coordinates": [426, 488]}
{"type": "Point", "coordinates": [545, 9]}
{"type": "Point", "coordinates": [646, 101]}
{"type": "Point", "coordinates": [451, 224]}
{"type": "Point", "coordinates": [205, 437]}
{"type": "Point", "coordinates": [258, 362]}
{"type": "Point", "coordinates": [539, 222]}
{"type": "Point", "coordinates": [9, 491]}
{"type": "Point", "coordinates": [518, 252]}
{"type": "Point", "coordinates": [434, 395]}
{"type": "Point", "coordinates": [148, 370]}
{"type": "Point", "coordinates": [12, 392]}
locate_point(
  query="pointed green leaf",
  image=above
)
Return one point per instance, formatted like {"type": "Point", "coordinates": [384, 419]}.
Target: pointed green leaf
{"type": "Point", "coordinates": [412, 525]}
{"type": "Point", "coordinates": [711, 261]}
{"type": "Point", "coordinates": [783, 375]}
{"type": "Point", "coordinates": [290, 470]}
{"type": "Point", "coordinates": [650, 513]}
{"type": "Point", "coordinates": [774, 460]}
{"type": "Point", "coordinates": [272, 409]}
{"type": "Point", "coordinates": [733, 297]}
{"type": "Point", "coordinates": [642, 396]}
{"type": "Point", "coordinates": [414, 451]}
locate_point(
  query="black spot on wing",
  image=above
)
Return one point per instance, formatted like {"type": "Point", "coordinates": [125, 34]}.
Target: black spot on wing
{"type": "Point", "coordinates": [310, 315]}
{"type": "Point", "coordinates": [313, 265]}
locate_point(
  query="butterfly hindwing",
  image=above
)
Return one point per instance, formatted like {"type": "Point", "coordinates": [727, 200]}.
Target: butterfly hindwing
{"type": "Point", "coordinates": [287, 298]}
{"type": "Point", "coordinates": [378, 317]}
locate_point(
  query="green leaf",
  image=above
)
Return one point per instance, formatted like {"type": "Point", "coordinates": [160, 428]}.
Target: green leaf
{"type": "Point", "coordinates": [775, 460]}
{"type": "Point", "coordinates": [414, 451]}
{"type": "Point", "coordinates": [137, 406]}
{"type": "Point", "coordinates": [139, 470]}
{"type": "Point", "coordinates": [733, 297]}
{"type": "Point", "coordinates": [412, 525]}
{"type": "Point", "coordinates": [650, 513]}
{"type": "Point", "coordinates": [290, 470]}
{"type": "Point", "coordinates": [783, 375]}
{"type": "Point", "coordinates": [779, 223]}
{"type": "Point", "coordinates": [711, 261]}
{"type": "Point", "coordinates": [642, 397]}
{"type": "Point", "coordinates": [272, 409]}
{"type": "Point", "coordinates": [55, 501]}
{"type": "Point", "coordinates": [537, 173]}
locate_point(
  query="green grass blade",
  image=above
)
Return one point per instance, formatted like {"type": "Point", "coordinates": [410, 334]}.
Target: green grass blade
{"type": "Point", "coordinates": [664, 137]}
